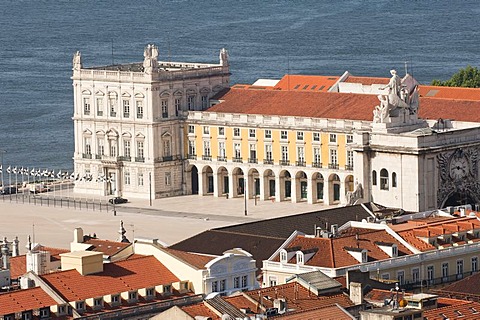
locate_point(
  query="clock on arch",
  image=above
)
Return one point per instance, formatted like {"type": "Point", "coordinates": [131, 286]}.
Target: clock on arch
{"type": "Point", "coordinates": [459, 166]}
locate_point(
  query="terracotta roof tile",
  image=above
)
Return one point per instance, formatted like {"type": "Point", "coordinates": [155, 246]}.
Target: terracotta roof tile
{"type": "Point", "coordinates": [456, 93]}
{"type": "Point", "coordinates": [468, 286]}
{"type": "Point", "coordinates": [116, 277]}
{"type": "Point", "coordinates": [327, 313]}
{"type": "Point", "coordinates": [306, 83]}
{"type": "Point", "coordinates": [107, 247]}
{"type": "Point", "coordinates": [461, 310]}
{"type": "Point", "coordinates": [201, 310]}
{"type": "Point", "coordinates": [195, 259]}
{"type": "Point", "coordinates": [367, 80]}
{"type": "Point", "coordinates": [21, 300]}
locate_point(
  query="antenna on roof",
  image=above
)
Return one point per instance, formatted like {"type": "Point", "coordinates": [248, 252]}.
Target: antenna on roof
{"type": "Point", "coordinates": [33, 232]}
{"type": "Point", "coordinates": [168, 44]}
{"type": "Point", "coordinates": [288, 72]}
{"type": "Point", "coordinates": [406, 67]}
{"type": "Point", "coordinates": [113, 60]}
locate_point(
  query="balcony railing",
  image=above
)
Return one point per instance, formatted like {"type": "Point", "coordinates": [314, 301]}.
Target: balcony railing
{"type": "Point", "coordinates": [317, 164]}
{"type": "Point", "coordinates": [252, 160]}
{"type": "Point", "coordinates": [349, 167]}
{"type": "Point", "coordinates": [126, 115]}
{"type": "Point", "coordinates": [125, 158]}
{"type": "Point", "coordinates": [284, 162]}
{"type": "Point", "coordinates": [237, 159]}
{"type": "Point", "coordinates": [164, 115]}
{"type": "Point", "coordinates": [333, 166]}
{"type": "Point", "coordinates": [113, 114]}
{"type": "Point", "coordinates": [139, 115]}
{"type": "Point", "coordinates": [139, 159]}
{"type": "Point", "coordinates": [99, 113]}
{"type": "Point", "coordinates": [192, 156]}
{"type": "Point", "coordinates": [98, 156]}
{"type": "Point", "coordinates": [267, 161]}
{"type": "Point", "coordinates": [223, 159]}
{"type": "Point", "coordinates": [300, 163]}
{"type": "Point", "coordinates": [207, 158]}
{"type": "Point", "coordinates": [86, 113]}
{"type": "Point", "coordinates": [167, 158]}
{"type": "Point", "coordinates": [86, 155]}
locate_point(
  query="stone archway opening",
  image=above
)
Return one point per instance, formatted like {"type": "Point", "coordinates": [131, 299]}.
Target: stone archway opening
{"type": "Point", "coordinates": [223, 182]}
{"type": "Point", "coordinates": [253, 183]}
{"type": "Point", "coordinates": [334, 188]}
{"type": "Point", "coordinates": [192, 179]}
{"type": "Point", "coordinates": [285, 185]}
{"type": "Point", "coordinates": [269, 184]}
{"type": "Point", "coordinates": [318, 186]}
{"type": "Point", "coordinates": [207, 173]}
{"type": "Point", "coordinates": [238, 182]}
{"type": "Point", "coordinates": [301, 185]}
{"type": "Point", "coordinates": [456, 199]}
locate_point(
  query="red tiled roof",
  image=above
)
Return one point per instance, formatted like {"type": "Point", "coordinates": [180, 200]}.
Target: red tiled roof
{"type": "Point", "coordinates": [367, 80]}
{"type": "Point", "coordinates": [242, 302]}
{"type": "Point", "coordinates": [21, 300]}
{"type": "Point", "coordinates": [379, 295]}
{"type": "Point", "coordinates": [116, 277]}
{"type": "Point", "coordinates": [306, 83]}
{"type": "Point", "coordinates": [327, 313]}
{"type": "Point", "coordinates": [107, 247]}
{"type": "Point", "coordinates": [466, 310]}
{"type": "Point", "coordinates": [18, 264]}
{"type": "Point", "coordinates": [200, 309]}
{"type": "Point", "coordinates": [450, 93]}
{"type": "Point", "coordinates": [332, 105]}
{"type": "Point", "coordinates": [195, 259]}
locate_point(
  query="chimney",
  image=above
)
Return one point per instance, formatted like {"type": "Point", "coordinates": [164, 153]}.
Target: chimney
{"type": "Point", "coordinates": [5, 254]}
{"type": "Point", "coordinates": [15, 248]}
{"type": "Point", "coordinates": [334, 229]}
{"type": "Point", "coordinates": [356, 293]}
{"type": "Point", "coordinates": [318, 232]}
{"type": "Point", "coordinates": [462, 211]}
{"type": "Point", "coordinates": [78, 235]}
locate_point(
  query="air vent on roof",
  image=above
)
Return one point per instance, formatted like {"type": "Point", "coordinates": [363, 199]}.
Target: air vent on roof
{"type": "Point", "coordinates": [297, 86]}
{"type": "Point", "coordinates": [432, 93]}
{"type": "Point", "coordinates": [305, 87]}
{"type": "Point", "coordinates": [313, 87]}
{"type": "Point", "coordinates": [321, 88]}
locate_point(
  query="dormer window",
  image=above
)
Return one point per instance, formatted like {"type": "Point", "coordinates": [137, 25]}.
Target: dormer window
{"type": "Point", "coordinates": [132, 295]}
{"type": "Point", "coordinates": [300, 257]}
{"type": "Point", "coordinates": [115, 298]}
{"type": "Point", "coordinates": [364, 256]}
{"type": "Point", "coordinates": [150, 292]}
{"type": "Point", "coordinates": [62, 310]}
{"type": "Point", "coordinates": [98, 302]}
{"type": "Point", "coordinates": [394, 251]}
{"type": "Point", "coordinates": [167, 289]}
{"type": "Point", "coordinates": [283, 256]}
{"type": "Point", "coordinates": [80, 305]}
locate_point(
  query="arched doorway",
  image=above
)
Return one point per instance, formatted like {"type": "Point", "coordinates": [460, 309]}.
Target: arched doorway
{"type": "Point", "coordinates": [223, 180]}
{"type": "Point", "coordinates": [285, 184]}
{"type": "Point", "coordinates": [208, 179]}
{"type": "Point", "coordinates": [349, 185]}
{"type": "Point", "coordinates": [193, 179]}
{"type": "Point", "coordinates": [238, 182]}
{"type": "Point", "coordinates": [301, 185]}
{"type": "Point", "coordinates": [318, 186]}
{"type": "Point", "coordinates": [458, 199]}
{"type": "Point", "coordinates": [334, 188]}
{"type": "Point", "coordinates": [269, 184]}
{"type": "Point", "coordinates": [253, 183]}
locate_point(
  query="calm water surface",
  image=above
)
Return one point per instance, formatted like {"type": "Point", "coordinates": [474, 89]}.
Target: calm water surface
{"type": "Point", "coordinates": [265, 40]}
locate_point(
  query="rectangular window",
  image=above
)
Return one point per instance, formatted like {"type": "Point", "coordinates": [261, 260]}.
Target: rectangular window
{"type": "Point", "coordinates": [223, 285]}
{"type": "Point", "coordinates": [140, 179]}
{"type": "Point", "coordinates": [113, 148]}
{"type": "Point", "coordinates": [206, 130]}
{"type": "Point", "coordinates": [80, 305]}
{"type": "Point", "coordinates": [191, 129]}
{"type": "Point", "coordinates": [126, 148]}
{"type": "Point", "coordinates": [300, 135]}
{"type": "Point", "coordinates": [150, 292]}
{"type": "Point", "coordinates": [333, 137]}
{"type": "Point", "coordinates": [206, 148]}
{"type": "Point", "coordinates": [167, 289]}
{"type": "Point", "coordinates": [113, 107]}
{"type": "Point", "coordinates": [401, 277]}
{"type": "Point", "coordinates": [164, 108]}
{"type": "Point", "coordinates": [349, 138]}
{"type": "Point", "coordinates": [445, 270]}
{"type": "Point", "coordinates": [317, 156]}
{"type": "Point", "coordinates": [166, 148]}
{"type": "Point", "coordinates": [127, 177]}
{"type": "Point", "coordinates": [430, 273]}
{"type": "Point", "coordinates": [272, 281]}
{"type": "Point", "coordinates": [204, 102]}
{"type": "Point", "coordinates": [268, 152]}
{"type": "Point", "coordinates": [132, 295]}
{"type": "Point", "coordinates": [284, 153]}
{"type": "Point", "coordinates": [316, 136]}
{"type": "Point", "coordinates": [415, 275]}
{"type": "Point", "coordinates": [140, 153]}
{"type": "Point", "coordinates": [238, 153]}
{"type": "Point", "coordinates": [253, 152]}
{"type": "Point", "coordinates": [221, 131]}
{"type": "Point", "coordinates": [268, 134]}
{"type": "Point", "coordinates": [214, 286]}
{"type": "Point", "coordinates": [349, 160]}
{"type": "Point", "coordinates": [300, 154]}
{"type": "Point", "coordinates": [283, 135]}
{"type": "Point", "coordinates": [99, 107]}
{"type": "Point", "coordinates": [333, 156]}
{"type": "Point", "coordinates": [191, 102]}
{"type": "Point", "coordinates": [221, 149]}
{"type": "Point", "coordinates": [139, 109]}
{"type": "Point", "coordinates": [178, 106]}
{"type": "Point", "coordinates": [236, 132]}
{"type": "Point", "coordinates": [101, 146]}
{"type": "Point", "coordinates": [244, 281]}
{"type": "Point", "coordinates": [474, 264]}
{"type": "Point", "coordinates": [168, 178]}
{"type": "Point", "coordinates": [126, 108]}
{"type": "Point", "coordinates": [88, 146]}
{"type": "Point", "coordinates": [251, 133]}
{"type": "Point", "coordinates": [86, 106]}
{"type": "Point", "coordinates": [236, 282]}
{"type": "Point", "coordinates": [191, 147]}
{"type": "Point", "coordinates": [115, 298]}
{"type": "Point", "coordinates": [97, 302]}
{"type": "Point", "coordinates": [459, 269]}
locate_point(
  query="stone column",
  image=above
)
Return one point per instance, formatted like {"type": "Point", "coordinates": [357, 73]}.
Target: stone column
{"type": "Point", "coordinates": [232, 188]}
{"type": "Point", "coordinates": [295, 192]}
{"type": "Point", "coordinates": [310, 190]}
{"type": "Point", "coordinates": [216, 185]}
{"type": "Point", "coordinates": [278, 189]}
{"type": "Point", "coordinates": [343, 196]}
{"type": "Point", "coordinates": [201, 183]}
{"type": "Point", "coordinates": [263, 185]}
{"type": "Point", "coordinates": [327, 189]}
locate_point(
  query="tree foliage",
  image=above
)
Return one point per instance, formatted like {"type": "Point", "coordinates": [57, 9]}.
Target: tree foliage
{"type": "Point", "coordinates": [468, 78]}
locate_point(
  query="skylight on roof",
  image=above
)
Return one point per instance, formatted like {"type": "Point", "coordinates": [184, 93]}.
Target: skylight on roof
{"type": "Point", "coordinates": [432, 93]}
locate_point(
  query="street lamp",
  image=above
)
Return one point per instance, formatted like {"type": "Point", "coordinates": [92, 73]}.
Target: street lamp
{"type": "Point", "coordinates": [1, 163]}
{"type": "Point", "coordinates": [245, 194]}
{"type": "Point", "coordinates": [150, 186]}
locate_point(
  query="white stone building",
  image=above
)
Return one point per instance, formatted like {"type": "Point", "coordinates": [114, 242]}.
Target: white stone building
{"type": "Point", "coordinates": [128, 122]}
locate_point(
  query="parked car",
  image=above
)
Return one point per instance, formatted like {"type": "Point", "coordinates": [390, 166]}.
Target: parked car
{"type": "Point", "coordinates": [9, 190]}
{"type": "Point", "coordinates": [37, 188]}
{"type": "Point", "coordinates": [117, 200]}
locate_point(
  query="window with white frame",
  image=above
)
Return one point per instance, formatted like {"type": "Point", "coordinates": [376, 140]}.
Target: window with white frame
{"type": "Point", "coordinates": [445, 269]}
{"type": "Point", "coordinates": [191, 102]}
{"type": "Point", "coordinates": [214, 286]}
{"type": "Point", "coordinates": [115, 298]}
{"type": "Point", "coordinates": [88, 145]}
{"type": "Point", "coordinates": [236, 132]}
{"type": "Point", "coordinates": [460, 268]}
{"type": "Point", "coordinates": [140, 179]}
{"type": "Point", "coordinates": [191, 129]}
{"type": "Point", "coordinates": [299, 257]}
{"type": "Point", "coordinates": [112, 101]}
{"type": "Point", "coordinates": [384, 179]}
{"type": "Point", "coordinates": [126, 148]}
{"type": "Point", "coordinates": [140, 149]}
{"type": "Point", "coordinates": [127, 177]}
{"type": "Point", "coordinates": [350, 158]}
{"type": "Point", "coordinates": [99, 107]}
{"type": "Point", "coordinates": [316, 136]}
{"type": "Point", "coordinates": [333, 156]}
{"type": "Point", "coordinates": [416, 275]}
{"type": "Point", "coordinates": [223, 285]}
{"type": "Point", "coordinates": [244, 281]}
{"type": "Point", "coordinates": [283, 256]}
{"type": "Point", "coordinates": [139, 104]}
{"type": "Point", "coordinates": [401, 277]}
{"type": "Point", "coordinates": [86, 106]}
{"type": "Point", "coordinates": [62, 310]}
{"type": "Point", "coordinates": [113, 148]}
{"type": "Point", "coordinates": [101, 146]}
{"type": "Point", "coordinates": [80, 305]}
{"type": "Point", "coordinates": [238, 153]}
{"type": "Point", "coordinates": [132, 295]}
{"type": "Point", "coordinates": [150, 292]}
{"type": "Point", "coordinates": [333, 137]}
{"type": "Point", "coordinates": [430, 273]}
{"type": "Point", "coordinates": [168, 178]}
{"type": "Point", "coordinates": [221, 149]}
{"type": "Point", "coordinates": [164, 108]}
{"type": "Point", "coordinates": [253, 151]}
{"type": "Point", "coordinates": [166, 148]}
{"type": "Point", "coordinates": [206, 130]}
{"type": "Point", "coordinates": [268, 134]}
{"type": "Point", "coordinates": [97, 302]}
{"type": "Point", "coordinates": [167, 289]}
{"type": "Point", "coordinates": [272, 281]}
{"type": "Point", "coordinates": [283, 135]}
{"type": "Point", "coordinates": [474, 264]}
{"type": "Point", "coordinates": [349, 138]}
{"type": "Point", "coordinates": [44, 313]}
{"type": "Point", "coordinates": [206, 148]}
{"type": "Point", "coordinates": [301, 154]}
{"type": "Point", "coordinates": [300, 135]}
{"type": "Point", "coordinates": [191, 147]}
{"type": "Point", "coordinates": [268, 152]}
{"type": "Point", "coordinates": [284, 153]}
{"type": "Point", "coordinates": [178, 106]}
{"type": "Point", "coordinates": [317, 159]}
{"type": "Point", "coordinates": [221, 131]}
{"type": "Point", "coordinates": [236, 282]}
{"type": "Point", "coordinates": [126, 108]}
{"type": "Point", "coordinates": [204, 102]}
{"type": "Point", "coordinates": [251, 133]}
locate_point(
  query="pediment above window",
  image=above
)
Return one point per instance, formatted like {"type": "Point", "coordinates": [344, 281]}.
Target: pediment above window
{"type": "Point", "coordinates": [140, 136]}
{"type": "Point", "coordinates": [178, 93]}
{"type": "Point", "coordinates": [112, 133]}
{"type": "Point", "coordinates": [99, 93]}
{"type": "Point", "coordinates": [166, 135]}
{"type": "Point", "coordinates": [86, 92]}
{"type": "Point", "coordinates": [87, 132]}
{"type": "Point", "coordinates": [126, 95]}
{"type": "Point", "coordinates": [165, 94]}
{"type": "Point", "coordinates": [139, 95]}
{"type": "Point", "coordinates": [127, 135]}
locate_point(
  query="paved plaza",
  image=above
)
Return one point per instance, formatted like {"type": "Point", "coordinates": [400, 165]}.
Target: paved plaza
{"type": "Point", "coordinates": [169, 220]}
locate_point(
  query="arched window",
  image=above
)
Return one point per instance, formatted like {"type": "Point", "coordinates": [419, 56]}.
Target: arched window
{"type": "Point", "coordinates": [383, 179]}
{"type": "Point", "coordinates": [394, 180]}
{"type": "Point", "coordinates": [300, 257]}
{"type": "Point", "coordinates": [374, 177]}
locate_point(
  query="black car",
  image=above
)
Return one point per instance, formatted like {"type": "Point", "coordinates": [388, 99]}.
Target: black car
{"type": "Point", "coordinates": [117, 200]}
{"type": "Point", "coordinates": [9, 190]}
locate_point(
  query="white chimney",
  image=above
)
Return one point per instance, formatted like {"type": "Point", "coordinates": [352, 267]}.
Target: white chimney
{"type": "Point", "coordinates": [356, 293]}
{"type": "Point", "coordinates": [15, 248]}
{"type": "Point", "coordinates": [78, 235]}
{"type": "Point", "coordinates": [462, 211]}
